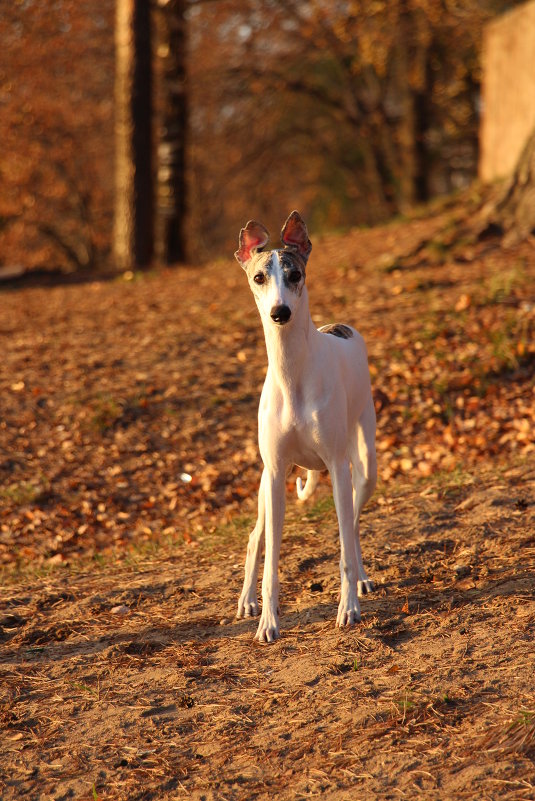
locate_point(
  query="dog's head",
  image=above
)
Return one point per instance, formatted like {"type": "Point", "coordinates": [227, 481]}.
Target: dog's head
{"type": "Point", "coordinates": [276, 277]}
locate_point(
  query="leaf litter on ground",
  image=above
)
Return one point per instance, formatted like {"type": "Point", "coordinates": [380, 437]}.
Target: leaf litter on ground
{"type": "Point", "coordinates": [129, 473]}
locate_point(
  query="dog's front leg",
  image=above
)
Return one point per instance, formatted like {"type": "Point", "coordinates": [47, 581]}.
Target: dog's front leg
{"type": "Point", "coordinates": [349, 607]}
{"type": "Point", "coordinates": [248, 603]}
{"type": "Point", "coordinates": [274, 488]}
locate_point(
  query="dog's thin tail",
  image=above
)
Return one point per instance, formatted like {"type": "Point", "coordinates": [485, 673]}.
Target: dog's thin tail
{"type": "Point", "coordinates": [304, 491]}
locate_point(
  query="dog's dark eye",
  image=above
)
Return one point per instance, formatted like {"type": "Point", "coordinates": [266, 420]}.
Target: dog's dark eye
{"type": "Point", "coordinates": [259, 278]}
{"type": "Point", "coordinates": [294, 277]}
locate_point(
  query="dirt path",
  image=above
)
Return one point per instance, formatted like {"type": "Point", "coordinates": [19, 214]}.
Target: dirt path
{"type": "Point", "coordinates": [123, 672]}
{"type": "Point", "coordinates": [140, 681]}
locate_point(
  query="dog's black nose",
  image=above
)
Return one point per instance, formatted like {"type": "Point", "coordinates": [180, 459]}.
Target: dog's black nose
{"type": "Point", "coordinates": [281, 314]}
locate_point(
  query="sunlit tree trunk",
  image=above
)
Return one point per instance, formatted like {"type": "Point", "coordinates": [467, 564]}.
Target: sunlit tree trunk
{"type": "Point", "coordinates": [171, 132]}
{"type": "Point", "coordinates": [515, 212]}
{"type": "Point", "coordinates": [133, 227]}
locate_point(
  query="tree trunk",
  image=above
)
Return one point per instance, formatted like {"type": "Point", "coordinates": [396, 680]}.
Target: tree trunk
{"type": "Point", "coordinates": [133, 231]}
{"type": "Point", "coordinates": [515, 212]}
{"type": "Point", "coordinates": [171, 185]}
{"type": "Point", "coordinates": [422, 115]}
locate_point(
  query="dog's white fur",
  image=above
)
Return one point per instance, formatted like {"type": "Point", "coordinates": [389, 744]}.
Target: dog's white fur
{"type": "Point", "coordinates": [316, 411]}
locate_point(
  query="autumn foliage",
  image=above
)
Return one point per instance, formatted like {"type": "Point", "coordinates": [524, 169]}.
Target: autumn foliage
{"type": "Point", "coordinates": [351, 112]}
{"type": "Point", "coordinates": [56, 128]}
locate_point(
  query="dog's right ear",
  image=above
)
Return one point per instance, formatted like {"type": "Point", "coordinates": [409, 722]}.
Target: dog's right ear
{"type": "Point", "coordinates": [252, 237]}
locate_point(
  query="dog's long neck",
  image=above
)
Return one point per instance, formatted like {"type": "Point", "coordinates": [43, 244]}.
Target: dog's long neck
{"type": "Point", "coordinates": [288, 349]}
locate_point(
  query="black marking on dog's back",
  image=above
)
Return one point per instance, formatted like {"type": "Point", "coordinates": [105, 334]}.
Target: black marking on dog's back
{"type": "Point", "coordinates": [338, 329]}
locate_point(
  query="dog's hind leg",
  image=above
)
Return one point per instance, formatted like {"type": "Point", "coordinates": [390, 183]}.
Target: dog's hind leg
{"type": "Point", "coordinates": [248, 603]}
{"type": "Point", "coordinates": [364, 477]}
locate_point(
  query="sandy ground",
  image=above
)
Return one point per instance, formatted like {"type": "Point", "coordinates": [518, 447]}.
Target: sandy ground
{"type": "Point", "coordinates": [140, 682]}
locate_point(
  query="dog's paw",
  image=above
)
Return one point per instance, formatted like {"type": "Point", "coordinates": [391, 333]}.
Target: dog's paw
{"type": "Point", "coordinates": [268, 628]}
{"type": "Point", "coordinates": [365, 587]}
{"type": "Point", "coordinates": [348, 614]}
{"type": "Point", "coordinates": [248, 607]}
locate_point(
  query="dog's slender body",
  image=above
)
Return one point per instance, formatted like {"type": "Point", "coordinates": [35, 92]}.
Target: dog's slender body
{"type": "Point", "coordinates": [316, 411]}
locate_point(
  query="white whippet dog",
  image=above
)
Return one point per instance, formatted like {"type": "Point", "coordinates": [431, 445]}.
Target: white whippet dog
{"type": "Point", "coordinates": [316, 411]}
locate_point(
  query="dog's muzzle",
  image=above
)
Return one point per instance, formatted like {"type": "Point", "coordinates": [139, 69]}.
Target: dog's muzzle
{"type": "Point", "coordinates": [280, 314]}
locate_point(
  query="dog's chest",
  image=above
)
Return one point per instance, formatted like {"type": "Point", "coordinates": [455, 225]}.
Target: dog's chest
{"type": "Point", "coordinates": [294, 430]}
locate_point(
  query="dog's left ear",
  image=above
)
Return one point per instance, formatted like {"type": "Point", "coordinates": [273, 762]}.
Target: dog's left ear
{"type": "Point", "coordinates": [295, 235]}
{"type": "Point", "coordinates": [252, 237]}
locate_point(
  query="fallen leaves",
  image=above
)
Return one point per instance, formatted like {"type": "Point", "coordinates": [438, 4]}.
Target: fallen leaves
{"type": "Point", "coordinates": [454, 379]}
{"type": "Point", "coordinates": [464, 302]}
{"type": "Point", "coordinates": [125, 420]}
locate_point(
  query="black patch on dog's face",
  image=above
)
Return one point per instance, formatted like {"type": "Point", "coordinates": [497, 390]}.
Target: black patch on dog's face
{"type": "Point", "coordinates": [293, 269]}
{"type": "Point", "coordinates": [338, 329]}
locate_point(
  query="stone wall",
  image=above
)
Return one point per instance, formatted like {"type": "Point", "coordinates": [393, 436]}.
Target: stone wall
{"type": "Point", "coordinates": [508, 91]}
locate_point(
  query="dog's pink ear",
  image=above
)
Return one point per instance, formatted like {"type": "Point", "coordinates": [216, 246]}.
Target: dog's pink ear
{"type": "Point", "coordinates": [295, 235]}
{"type": "Point", "coordinates": [252, 237]}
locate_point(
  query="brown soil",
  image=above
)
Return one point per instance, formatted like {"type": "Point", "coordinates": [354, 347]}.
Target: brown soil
{"type": "Point", "coordinates": [124, 674]}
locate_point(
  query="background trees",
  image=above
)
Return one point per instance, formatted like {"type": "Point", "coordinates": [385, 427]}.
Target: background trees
{"type": "Point", "coordinates": [171, 184]}
{"type": "Point", "coordinates": [133, 229]}
{"type": "Point", "coordinates": [56, 130]}
{"type": "Point", "coordinates": [352, 111]}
